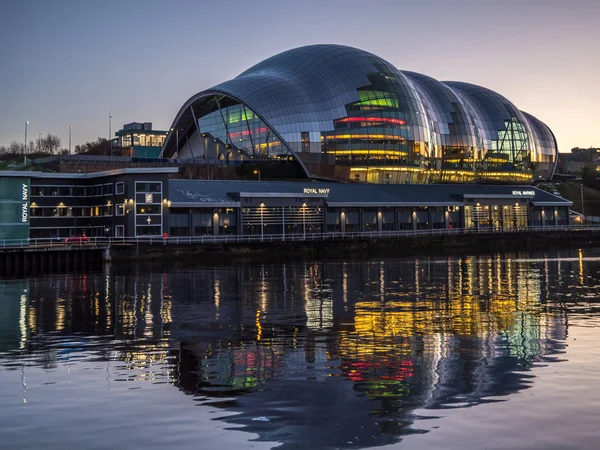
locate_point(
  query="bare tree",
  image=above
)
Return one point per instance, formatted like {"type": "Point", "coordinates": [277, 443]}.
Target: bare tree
{"type": "Point", "coordinates": [50, 144]}
{"type": "Point", "coordinates": [16, 148]}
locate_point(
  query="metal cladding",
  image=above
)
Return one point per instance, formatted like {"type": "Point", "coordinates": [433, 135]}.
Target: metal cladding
{"type": "Point", "coordinates": [346, 114]}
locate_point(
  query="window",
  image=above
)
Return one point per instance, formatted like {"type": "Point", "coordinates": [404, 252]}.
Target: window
{"type": "Point", "coordinates": [108, 189]}
{"type": "Point", "coordinates": [120, 231]}
{"type": "Point", "coordinates": [120, 210]}
{"type": "Point", "coordinates": [148, 187]}
{"type": "Point", "coordinates": [305, 138]}
{"type": "Point", "coordinates": [155, 187]}
{"type": "Point", "coordinates": [119, 188]}
{"type": "Point", "coordinates": [147, 209]}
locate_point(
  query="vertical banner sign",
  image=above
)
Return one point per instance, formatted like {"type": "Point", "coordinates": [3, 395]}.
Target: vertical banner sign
{"type": "Point", "coordinates": [15, 201]}
{"type": "Point", "coordinates": [25, 204]}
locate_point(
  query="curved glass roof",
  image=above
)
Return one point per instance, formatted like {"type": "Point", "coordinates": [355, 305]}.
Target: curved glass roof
{"type": "Point", "coordinates": [348, 114]}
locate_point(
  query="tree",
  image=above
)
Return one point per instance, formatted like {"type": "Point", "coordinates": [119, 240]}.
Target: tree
{"type": "Point", "coordinates": [16, 148]}
{"type": "Point", "coordinates": [100, 146]}
{"type": "Point", "coordinates": [49, 144]}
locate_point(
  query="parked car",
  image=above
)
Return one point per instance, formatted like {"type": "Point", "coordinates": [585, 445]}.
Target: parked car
{"type": "Point", "coordinates": [76, 239]}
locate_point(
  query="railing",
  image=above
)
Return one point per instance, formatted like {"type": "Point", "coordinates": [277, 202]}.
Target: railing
{"type": "Point", "coordinates": [103, 242]}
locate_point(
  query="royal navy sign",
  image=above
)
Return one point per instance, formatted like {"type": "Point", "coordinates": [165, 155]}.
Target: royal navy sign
{"type": "Point", "coordinates": [321, 191]}
{"type": "Point", "coordinates": [25, 205]}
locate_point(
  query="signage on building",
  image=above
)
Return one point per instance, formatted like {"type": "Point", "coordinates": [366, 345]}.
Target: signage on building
{"type": "Point", "coordinates": [149, 197]}
{"type": "Point", "coordinates": [316, 191]}
{"type": "Point", "coordinates": [25, 205]}
{"type": "Point", "coordinates": [15, 201]}
{"type": "Point", "coordinates": [523, 193]}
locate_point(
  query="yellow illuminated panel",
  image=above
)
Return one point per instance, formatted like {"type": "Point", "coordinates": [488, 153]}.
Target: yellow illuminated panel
{"type": "Point", "coordinates": [447, 173]}
{"type": "Point", "coordinates": [363, 136]}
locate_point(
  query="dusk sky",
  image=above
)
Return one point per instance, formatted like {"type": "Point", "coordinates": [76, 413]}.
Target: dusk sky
{"type": "Point", "coordinates": [74, 62]}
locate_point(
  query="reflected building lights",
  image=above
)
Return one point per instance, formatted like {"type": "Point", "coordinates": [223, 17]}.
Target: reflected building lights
{"type": "Point", "coordinates": [581, 277]}
{"type": "Point", "coordinates": [421, 335]}
{"type": "Point", "coordinates": [22, 320]}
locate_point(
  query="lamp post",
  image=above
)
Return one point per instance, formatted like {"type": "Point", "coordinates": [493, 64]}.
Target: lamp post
{"type": "Point", "coordinates": [304, 221]}
{"type": "Point", "coordinates": [70, 126]}
{"type": "Point", "coordinates": [39, 142]}
{"type": "Point", "coordinates": [25, 148]}
{"type": "Point", "coordinates": [257, 171]}
{"type": "Point", "coordinates": [582, 203]}
{"type": "Point", "coordinates": [262, 226]}
{"type": "Point", "coordinates": [110, 132]}
{"type": "Point", "coordinates": [176, 139]}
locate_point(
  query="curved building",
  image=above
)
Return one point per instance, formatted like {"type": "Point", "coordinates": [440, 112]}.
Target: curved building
{"type": "Point", "coordinates": [346, 114]}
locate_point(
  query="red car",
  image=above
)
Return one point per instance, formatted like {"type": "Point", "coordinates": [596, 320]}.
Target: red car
{"type": "Point", "coordinates": [76, 239]}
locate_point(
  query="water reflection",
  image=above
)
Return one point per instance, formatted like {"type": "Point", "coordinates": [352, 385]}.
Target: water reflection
{"type": "Point", "coordinates": [322, 353]}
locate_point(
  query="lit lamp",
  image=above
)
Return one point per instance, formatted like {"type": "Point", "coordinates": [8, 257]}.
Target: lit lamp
{"type": "Point", "coordinates": [262, 225]}
{"type": "Point", "coordinates": [257, 172]}
{"type": "Point", "coordinates": [304, 220]}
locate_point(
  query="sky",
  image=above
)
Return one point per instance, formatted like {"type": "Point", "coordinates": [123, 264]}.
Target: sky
{"type": "Point", "coordinates": [73, 62]}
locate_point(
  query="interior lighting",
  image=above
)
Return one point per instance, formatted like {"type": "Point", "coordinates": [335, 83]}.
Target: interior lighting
{"type": "Point", "coordinates": [368, 152]}
{"type": "Point", "coordinates": [246, 132]}
{"type": "Point", "coordinates": [372, 119]}
{"type": "Point", "coordinates": [364, 136]}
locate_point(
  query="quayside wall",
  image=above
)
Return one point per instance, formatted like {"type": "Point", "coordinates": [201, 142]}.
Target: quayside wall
{"type": "Point", "coordinates": [22, 262]}
{"type": "Point", "coordinates": [360, 247]}
{"type": "Point", "coordinates": [28, 261]}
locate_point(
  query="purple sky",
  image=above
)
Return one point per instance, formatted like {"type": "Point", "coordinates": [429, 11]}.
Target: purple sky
{"type": "Point", "coordinates": [72, 62]}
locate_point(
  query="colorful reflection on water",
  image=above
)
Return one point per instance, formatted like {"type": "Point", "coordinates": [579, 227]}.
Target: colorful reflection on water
{"type": "Point", "coordinates": [316, 354]}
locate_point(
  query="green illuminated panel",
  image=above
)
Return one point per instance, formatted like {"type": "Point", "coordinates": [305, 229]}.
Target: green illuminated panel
{"type": "Point", "coordinates": [14, 208]}
{"type": "Point", "coordinates": [236, 114]}
{"type": "Point", "coordinates": [377, 98]}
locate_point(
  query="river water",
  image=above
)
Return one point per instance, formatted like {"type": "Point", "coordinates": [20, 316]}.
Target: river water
{"type": "Point", "coordinates": [489, 351]}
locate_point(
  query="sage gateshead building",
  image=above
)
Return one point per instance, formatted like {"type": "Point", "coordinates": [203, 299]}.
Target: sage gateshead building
{"type": "Point", "coordinates": [348, 115]}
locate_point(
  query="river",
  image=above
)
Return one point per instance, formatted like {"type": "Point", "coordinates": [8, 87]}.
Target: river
{"type": "Point", "coordinates": [483, 351]}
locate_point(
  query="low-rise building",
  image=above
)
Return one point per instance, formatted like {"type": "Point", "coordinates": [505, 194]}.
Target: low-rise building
{"type": "Point", "coordinates": [139, 140]}
{"type": "Point", "coordinates": [152, 202]}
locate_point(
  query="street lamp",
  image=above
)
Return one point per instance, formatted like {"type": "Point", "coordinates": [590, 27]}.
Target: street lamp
{"type": "Point", "coordinates": [304, 220]}
{"type": "Point", "coordinates": [110, 132]}
{"type": "Point", "coordinates": [25, 148]}
{"type": "Point", "coordinates": [262, 225]}
{"type": "Point", "coordinates": [177, 138]}
{"type": "Point", "coordinates": [70, 126]}
{"type": "Point", "coordinates": [582, 202]}
{"type": "Point", "coordinates": [257, 172]}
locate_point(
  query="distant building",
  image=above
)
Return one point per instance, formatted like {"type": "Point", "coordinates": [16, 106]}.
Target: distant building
{"type": "Point", "coordinates": [139, 140]}
{"type": "Point", "coordinates": [572, 163]}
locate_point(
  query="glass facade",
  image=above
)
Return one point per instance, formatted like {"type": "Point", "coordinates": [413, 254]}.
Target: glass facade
{"type": "Point", "coordinates": [347, 114]}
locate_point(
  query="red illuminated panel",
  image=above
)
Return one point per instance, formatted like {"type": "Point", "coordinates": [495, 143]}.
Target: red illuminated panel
{"type": "Point", "coordinates": [372, 119]}
{"type": "Point", "coordinates": [246, 132]}
{"type": "Point", "coordinates": [365, 370]}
